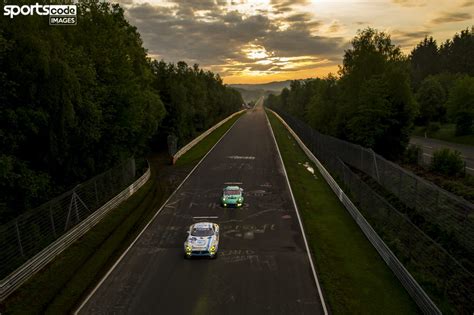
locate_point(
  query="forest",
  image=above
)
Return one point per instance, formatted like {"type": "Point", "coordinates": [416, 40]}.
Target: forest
{"type": "Point", "coordinates": [77, 100]}
{"type": "Point", "coordinates": [380, 94]}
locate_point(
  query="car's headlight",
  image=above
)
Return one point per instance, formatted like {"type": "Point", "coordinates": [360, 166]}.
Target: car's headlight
{"type": "Point", "coordinates": [189, 248]}
{"type": "Point", "coordinates": [212, 249]}
{"type": "Point", "coordinates": [240, 199]}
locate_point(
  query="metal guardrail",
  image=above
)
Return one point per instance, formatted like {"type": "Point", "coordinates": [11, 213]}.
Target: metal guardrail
{"type": "Point", "coordinates": [195, 141]}
{"type": "Point", "coordinates": [411, 285]}
{"type": "Point", "coordinates": [13, 281]}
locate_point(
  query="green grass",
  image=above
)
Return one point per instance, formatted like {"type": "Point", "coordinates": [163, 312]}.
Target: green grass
{"type": "Point", "coordinates": [198, 151]}
{"type": "Point", "coordinates": [354, 278]}
{"type": "Point", "coordinates": [61, 285]}
{"type": "Point", "coordinates": [445, 133]}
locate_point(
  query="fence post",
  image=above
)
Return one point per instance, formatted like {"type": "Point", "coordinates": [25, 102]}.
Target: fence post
{"type": "Point", "coordinates": [52, 220]}
{"type": "Point", "coordinates": [75, 207]}
{"type": "Point", "coordinates": [96, 193]}
{"type": "Point", "coordinates": [134, 168]}
{"type": "Point", "coordinates": [437, 199]}
{"type": "Point", "coordinates": [416, 193]}
{"type": "Point", "coordinates": [19, 238]}
{"type": "Point", "coordinates": [375, 165]}
{"type": "Point", "coordinates": [400, 184]}
{"type": "Point", "coordinates": [68, 213]}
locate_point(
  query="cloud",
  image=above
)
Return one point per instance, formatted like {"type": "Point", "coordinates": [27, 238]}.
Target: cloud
{"type": "Point", "coordinates": [410, 3]}
{"type": "Point", "coordinates": [229, 41]}
{"type": "Point", "coordinates": [284, 6]}
{"type": "Point", "coordinates": [334, 27]}
{"type": "Point", "coordinates": [468, 4]}
{"type": "Point", "coordinates": [408, 39]}
{"type": "Point", "coordinates": [300, 42]}
{"type": "Point", "coordinates": [451, 17]}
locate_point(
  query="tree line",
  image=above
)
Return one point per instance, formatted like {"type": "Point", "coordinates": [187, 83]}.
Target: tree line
{"type": "Point", "coordinates": [380, 93]}
{"type": "Point", "coordinates": [77, 100]}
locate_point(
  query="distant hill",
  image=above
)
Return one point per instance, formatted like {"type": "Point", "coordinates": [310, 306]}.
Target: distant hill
{"type": "Point", "coordinates": [253, 95]}
{"type": "Point", "coordinates": [251, 92]}
{"type": "Point", "coordinates": [276, 86]}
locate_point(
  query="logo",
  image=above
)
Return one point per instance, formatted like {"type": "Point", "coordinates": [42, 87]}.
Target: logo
{"type": "Point", "coordinates": [58, 14]}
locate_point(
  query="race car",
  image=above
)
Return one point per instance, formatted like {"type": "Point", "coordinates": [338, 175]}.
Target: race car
{"type": "Point", "coordinates": [232, 196]}
{"type": "Point", "coordinates": [203, 240]}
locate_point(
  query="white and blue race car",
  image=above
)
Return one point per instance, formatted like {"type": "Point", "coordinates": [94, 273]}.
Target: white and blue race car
{"type": "Point", "coordinates": [203, 240]}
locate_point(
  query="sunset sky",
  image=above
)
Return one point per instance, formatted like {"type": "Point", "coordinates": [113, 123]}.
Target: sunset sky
{"type": "Point", "coordinates": [263, 41]}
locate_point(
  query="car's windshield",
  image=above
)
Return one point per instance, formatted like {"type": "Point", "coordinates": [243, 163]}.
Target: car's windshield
{"type": "Point", "coordinates": [202, 232]}
{"type": "Point", "coordinates": [231, 192]}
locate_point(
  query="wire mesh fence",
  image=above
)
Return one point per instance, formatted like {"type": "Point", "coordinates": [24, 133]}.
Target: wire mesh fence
{"type": "Point", "coordinates": [26, 235]}
{"type": "Point", "coordinates": [448, 280]}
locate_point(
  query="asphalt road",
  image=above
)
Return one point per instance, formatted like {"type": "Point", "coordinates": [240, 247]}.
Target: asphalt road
{"type": "Point", "coordinates": [430, 145]}
{"type": "Point", "coordinates": [262, 266]}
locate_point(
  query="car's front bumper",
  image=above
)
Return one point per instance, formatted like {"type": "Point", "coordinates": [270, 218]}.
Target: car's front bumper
{"type": "Point", "coordinates": [197, 253]}
{"type": "Point", "coordinates": [232, 204]}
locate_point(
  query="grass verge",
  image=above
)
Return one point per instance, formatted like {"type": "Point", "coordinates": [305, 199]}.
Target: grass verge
{"type": "Point", "coordinates": [62, 284]}
{"type": "Point", "coordinates": [198, 151]}
{"type": "Point", "coordinates": [445, 133]}
{"type": "Point", "coordinates": [354, 278]}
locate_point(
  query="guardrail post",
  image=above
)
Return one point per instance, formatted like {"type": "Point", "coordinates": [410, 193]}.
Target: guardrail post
{"type": "Point", "coordinates": [19, 239]}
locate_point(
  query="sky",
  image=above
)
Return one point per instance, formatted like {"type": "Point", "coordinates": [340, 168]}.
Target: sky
{"type": "Point", "coordinates": [250, 41]}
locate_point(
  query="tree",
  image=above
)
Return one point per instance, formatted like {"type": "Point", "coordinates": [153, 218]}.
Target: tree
{"type": "Point", "coordinates": [461, 104]}
{"type": "Point", "coordinates": [194, 100]}
{"type": "Point", "coordinates": [457, 54]}
{"type": "Point", "coordinates": [323, 106]}
{"type": "Point", "coordinates": [378, 105]}
{"type": "Point", "coordinates": [424, 60]}
{"type": "Point", "coordinates": [76, 101]}
{"type": "Point", "coordinates": [431, 98]}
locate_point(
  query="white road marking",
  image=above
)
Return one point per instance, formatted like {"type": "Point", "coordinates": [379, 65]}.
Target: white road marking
{"type": "Point", "coordinates": [237, 157]}
{"type": "Point", "coordinates": [206, 217]}
{"type": "Point", "coordinates": [233, 183]}
{"type": "Point", "coordinates": [320, 292]}
{"type": "Point", "coordinates": [430, 155]}
{"type": "Point", "coordinates": [470, 168]}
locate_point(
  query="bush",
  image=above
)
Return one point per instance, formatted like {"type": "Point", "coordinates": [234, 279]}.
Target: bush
{"type": "Point", "coordinates": [463, 124]}
{"type": "Point", "coordinates": [447, 162]}
{"type": "Point", "coordinates": [412, 154]}
{"type": "Point", "coordinates": [432, 128]}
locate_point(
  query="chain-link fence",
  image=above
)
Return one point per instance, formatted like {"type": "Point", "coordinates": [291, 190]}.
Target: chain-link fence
{"type": "Point", "coordinates": [448, 281]}
{"type": "Point", "coordinates": [28, 234]}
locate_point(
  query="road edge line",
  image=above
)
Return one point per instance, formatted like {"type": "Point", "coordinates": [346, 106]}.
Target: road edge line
{"type": "Point", "coordinates": [315, 275]}
{"type": "Point", "coordinates": [84, 302]}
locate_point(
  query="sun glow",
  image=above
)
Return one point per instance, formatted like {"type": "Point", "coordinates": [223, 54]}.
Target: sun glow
{"type": "Point", "coordinates": [255, 52]}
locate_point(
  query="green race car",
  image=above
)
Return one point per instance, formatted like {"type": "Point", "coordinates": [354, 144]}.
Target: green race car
{"type": "Point", "coordinates": [232, 196]}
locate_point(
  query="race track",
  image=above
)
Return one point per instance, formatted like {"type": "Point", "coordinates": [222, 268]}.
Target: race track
{"type": "Point", "coordinates": [262, 267]}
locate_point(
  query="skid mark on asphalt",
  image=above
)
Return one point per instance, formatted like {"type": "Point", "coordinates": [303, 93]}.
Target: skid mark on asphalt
{"type": "Point", "coordinates": [256, 262]}
{"type": "Point", "coordinates": [245, 231]}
